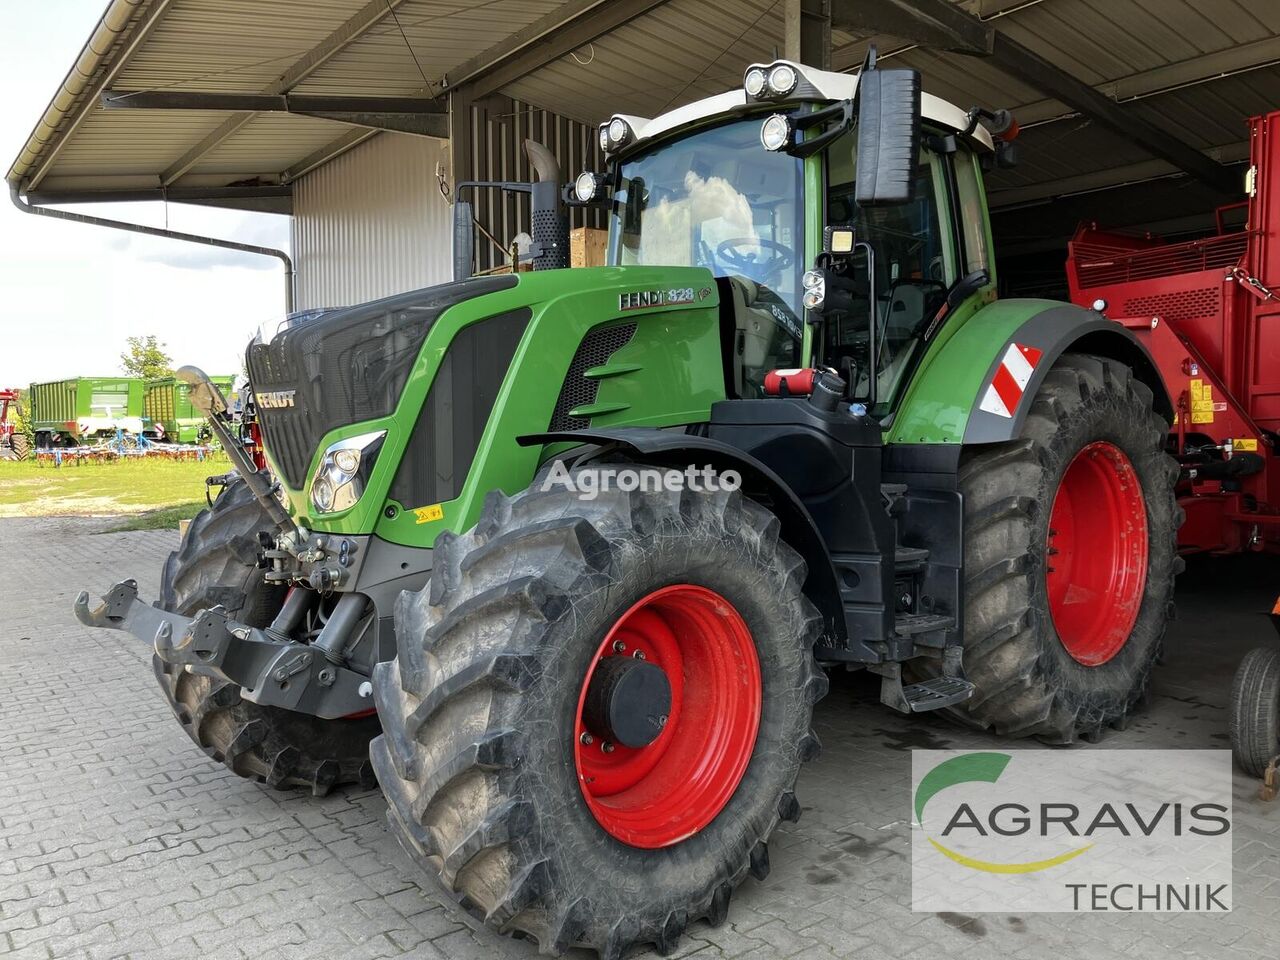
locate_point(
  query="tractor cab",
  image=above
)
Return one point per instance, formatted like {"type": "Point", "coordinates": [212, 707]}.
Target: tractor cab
{"type": "Point", "coordinates": [768, 188]}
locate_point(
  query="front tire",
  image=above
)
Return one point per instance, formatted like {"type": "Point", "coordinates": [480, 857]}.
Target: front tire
{"type": "Point", "coordinates": [482, 760]}
{"type": "Point", "coordinates": [1070, 556]}
{"type": "Point", "coordinates": [216, 563]}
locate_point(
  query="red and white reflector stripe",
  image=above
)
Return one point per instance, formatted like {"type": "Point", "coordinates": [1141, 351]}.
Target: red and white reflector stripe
{"type": "Point", "coordinates": [1010, 380]}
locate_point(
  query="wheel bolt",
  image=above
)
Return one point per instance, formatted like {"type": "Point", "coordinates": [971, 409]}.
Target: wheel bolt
{"type": "Point", "coordinates": [619, 646]}
{"type": "Point", "coordinates": [662, 720]}
{"type": "Point", "coordinates": [606, 746]}
{"type": "Point", "coordinates": [585, 739]}
{"type": "Point", "coordinates": [639, 654]}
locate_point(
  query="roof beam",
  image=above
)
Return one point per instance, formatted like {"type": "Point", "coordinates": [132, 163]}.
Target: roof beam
{"type": "Point", "coordinates": [266, 102]}
{"type": "Point", "coordinates": [545, 40]}
{"type": "Point", "coordinates": [175, 194]}
{"type": "Point", "coordinates": [330, 151]}
{"type": "Point", "coordinates": [953, 29]}
{"type": "Point", "coordinates": [405, 114]}
{"type": "Point", "coordinates": [1202, 68]}
{"type": "Point", "coordinates": [355, 27]}
{"type": "Point", "coordinates": [1108, 178]}
{"type": "Point", "coordinates": [940, 24]}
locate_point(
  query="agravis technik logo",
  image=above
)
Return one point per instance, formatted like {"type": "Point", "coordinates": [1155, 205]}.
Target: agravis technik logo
{"type": "Point", "coordinates": [1083, 830]}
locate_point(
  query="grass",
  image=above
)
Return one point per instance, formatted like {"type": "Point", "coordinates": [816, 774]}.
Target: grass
{"type": "Point", "coordinates": [153, 493]}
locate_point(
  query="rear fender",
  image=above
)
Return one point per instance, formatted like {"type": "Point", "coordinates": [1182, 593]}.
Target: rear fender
{"type": "Point", "coordinates": [977, 387]}
{"type": "Point", "coordinates": [671, 448]}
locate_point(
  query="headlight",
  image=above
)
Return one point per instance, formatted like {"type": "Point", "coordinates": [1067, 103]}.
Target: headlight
{"type": "Point", "coordinates": [782, 79]}
{"type": "Point", "coordinates": [344, 469]}
{"type": "Point", "coordinates": [775, 133]}
{"type": "Point", "coordinates": [753, 82]}
{"type": "Point", "coordinates": [604, 137]}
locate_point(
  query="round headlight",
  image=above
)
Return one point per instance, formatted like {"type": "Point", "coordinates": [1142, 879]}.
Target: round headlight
{"type": "Point", "coordinates": [584, 188]}
{"type": "Point", "coordinates": [617, 130]}
{"type": "Point", "coordinates": [322, 494]}
{"type": "Point", "coordinates": [604, 137]}
{"type": "Point", "coordinates": [783, 79]}
{"type": "Point", "coordinates": [813, 298]}
{"type": "Point", "coordinates": [775, 132]}
{"type": "Point", "coordinates": [348, 461]}
{"type": "Point", "coordinates": [753, 82]}
{"type": "Point", "coordinates": [811, 279]}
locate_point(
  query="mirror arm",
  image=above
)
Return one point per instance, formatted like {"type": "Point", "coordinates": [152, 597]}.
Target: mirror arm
{"type": "Point", "coordinates": [843, 115]}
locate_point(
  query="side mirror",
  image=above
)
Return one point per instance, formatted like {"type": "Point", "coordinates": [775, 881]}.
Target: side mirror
{"type": "Point", "coordinates": [464, 244]}
{"type": "Point", "coordinates": [888, 136]}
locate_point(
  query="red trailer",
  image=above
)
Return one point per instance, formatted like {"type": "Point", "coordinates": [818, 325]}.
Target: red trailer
{"type": "Point", "coordinates": [1209, 312]}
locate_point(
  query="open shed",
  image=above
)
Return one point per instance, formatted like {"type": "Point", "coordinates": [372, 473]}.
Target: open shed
{"type": "Point", "coordinates": [345, 114]}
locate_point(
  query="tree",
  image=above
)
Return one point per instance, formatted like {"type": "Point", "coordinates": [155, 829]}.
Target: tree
{"type": "Point", "coordinates": [145, 357]}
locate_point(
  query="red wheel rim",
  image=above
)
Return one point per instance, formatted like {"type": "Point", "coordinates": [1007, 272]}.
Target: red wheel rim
{"type": "Point", "coordinates": [1096, 568]}
{"type": "Point", "coordinates": [657, 795]}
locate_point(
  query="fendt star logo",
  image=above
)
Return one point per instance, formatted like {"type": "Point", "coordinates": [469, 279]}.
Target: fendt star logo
{"type": "Point", "coordinates": [976, 768]}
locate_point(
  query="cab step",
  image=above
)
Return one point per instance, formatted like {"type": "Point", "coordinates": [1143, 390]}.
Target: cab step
{"type": "Point", "coordinates": [936, 693]}
{"type": "Point", "coordinates": [914, 624]}
{"type": "Point", "coordinates": [909, 559]}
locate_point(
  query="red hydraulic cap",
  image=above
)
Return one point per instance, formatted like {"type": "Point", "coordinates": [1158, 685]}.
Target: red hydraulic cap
{"type": "Point", "coordinates": [789, 383]}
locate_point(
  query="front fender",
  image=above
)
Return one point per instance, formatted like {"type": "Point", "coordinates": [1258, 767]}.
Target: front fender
{"type": "Point", "coordinates": [675, 448]}
{"type": "Point", "coordinates": [960, 394]}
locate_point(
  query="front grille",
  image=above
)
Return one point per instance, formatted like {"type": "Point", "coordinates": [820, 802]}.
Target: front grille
{"type": "Point", "coordinates": [594, 351]}
{"type": "Point", "coordinates": [345, 366]}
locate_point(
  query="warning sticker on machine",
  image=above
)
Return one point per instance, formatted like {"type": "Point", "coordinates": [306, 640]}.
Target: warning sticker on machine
{"type": "Point", "coordinates": [427, 514]}
{"type": "Point", "coordinates": [1202, 405]}
{"type": "Point", "coordinates": [1245, 443]}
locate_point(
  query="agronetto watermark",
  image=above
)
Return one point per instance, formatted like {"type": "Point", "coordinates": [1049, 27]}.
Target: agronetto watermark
{"type": "Point", "coordinates": [1079, 831]}
{"type": "Point", "coordinates": [589, 484]}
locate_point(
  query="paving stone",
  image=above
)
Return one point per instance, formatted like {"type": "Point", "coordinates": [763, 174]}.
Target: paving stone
{"type": "Point", "coordinates": [119, 839]}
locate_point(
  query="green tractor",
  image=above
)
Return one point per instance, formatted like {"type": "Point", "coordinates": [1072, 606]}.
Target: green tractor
{"type": "Point", "coordinates": [574, 548]}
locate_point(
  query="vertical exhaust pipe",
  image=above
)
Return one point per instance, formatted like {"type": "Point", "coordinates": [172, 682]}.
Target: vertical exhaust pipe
{"type": "Point", "coordinates": [550, 218]}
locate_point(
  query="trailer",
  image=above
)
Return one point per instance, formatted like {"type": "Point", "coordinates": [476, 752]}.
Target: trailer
{"type": "Point", "coordinates": [168, 414]}
{"type": "Point", "coordinates": [67, 413]}
{"type": "Point", "coordinates": [1208, 311]}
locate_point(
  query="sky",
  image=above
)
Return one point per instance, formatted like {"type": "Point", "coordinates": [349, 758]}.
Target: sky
{"type": "Point", "coordinates": [70, 294]}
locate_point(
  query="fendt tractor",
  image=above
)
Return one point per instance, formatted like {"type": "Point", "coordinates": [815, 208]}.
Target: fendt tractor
{"type": "Point", "coordinates": [574, 547]}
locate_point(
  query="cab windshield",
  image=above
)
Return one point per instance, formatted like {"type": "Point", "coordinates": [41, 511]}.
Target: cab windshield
{"type": "Point", "coordinates": [719, 200]}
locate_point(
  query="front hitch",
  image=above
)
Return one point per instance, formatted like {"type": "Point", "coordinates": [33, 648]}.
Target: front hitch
{"type": "Point", "coordinates": [269, 671]}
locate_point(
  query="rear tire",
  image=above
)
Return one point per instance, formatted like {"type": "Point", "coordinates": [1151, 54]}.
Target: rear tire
{"type": "Point", "coordinates": [1030, 680]}
{"type": "Point", "coordinates": [479, 756]}
{"type": "Point", "coordinates": [217, 564]}
{"type": "Point", "coordinates": [1255, 710]}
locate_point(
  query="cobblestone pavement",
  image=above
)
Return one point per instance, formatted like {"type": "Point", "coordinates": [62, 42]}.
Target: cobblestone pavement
{"type": "Point", "coordinates": [119, 839]}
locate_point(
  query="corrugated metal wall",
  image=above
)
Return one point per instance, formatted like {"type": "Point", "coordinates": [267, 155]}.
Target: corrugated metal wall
{"type": "Point", "coordinates": [372, 223]}
{"type": "Point", "coordinates": [499, 128]}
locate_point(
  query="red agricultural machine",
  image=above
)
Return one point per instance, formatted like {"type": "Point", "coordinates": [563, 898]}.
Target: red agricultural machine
{"type": "Point", "coordinates": [1209, 312]}
{"type": "Point", "coordinates": [13, 439]}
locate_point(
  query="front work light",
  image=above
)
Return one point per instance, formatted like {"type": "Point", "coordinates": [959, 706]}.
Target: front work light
{"type": "Point", "coordinates": [618, 132]}
{"type": "Point", "coordinates": [588, 187]}
{"type": "Point", "coordinates": [754, 82]}
{"type": "Point", "coordinates": [775, 132]}
{"type": "Point", "coordinates": [783, 79]}
{"type": "Point", "coordinates": [341, 477]}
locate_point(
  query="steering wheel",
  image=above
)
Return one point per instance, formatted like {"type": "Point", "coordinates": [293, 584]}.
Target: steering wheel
{"type": "Point", "coordinates": [750, 264]}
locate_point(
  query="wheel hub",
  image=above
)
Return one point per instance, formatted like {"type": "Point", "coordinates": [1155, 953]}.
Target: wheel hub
{"type": "Point", "coordinates": [628, 701]}
{"type": "Point", "coordinates": [667, 716]}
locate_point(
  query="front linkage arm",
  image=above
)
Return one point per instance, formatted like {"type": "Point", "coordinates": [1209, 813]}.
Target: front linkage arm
{"type": "Point", "coordinates": [270, 672]}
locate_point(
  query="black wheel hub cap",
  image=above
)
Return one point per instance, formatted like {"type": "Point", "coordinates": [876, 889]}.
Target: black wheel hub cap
{"type": "Point", "coordinates": [627, 701]}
